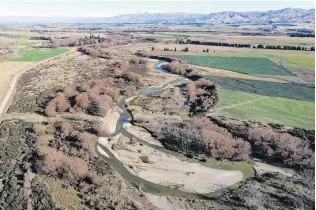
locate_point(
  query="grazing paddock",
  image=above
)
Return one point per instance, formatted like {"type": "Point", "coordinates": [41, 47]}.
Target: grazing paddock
{"type": "Point", "coordinates": [266, 109]}
{"type": "Point", "coordinates": [40, 54]}
{"type": "Point", "coordinates": [266, 88]}
{"type": "Point", "coordinates": [306, 60]}
{"type": "Point", "coordinates": [207, 71]}
{"type": "Point", "coordinates": [247, 65]}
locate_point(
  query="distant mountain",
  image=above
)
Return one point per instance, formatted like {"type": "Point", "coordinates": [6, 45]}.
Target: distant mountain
{"type": "Point", "coordinates": [283, 16]}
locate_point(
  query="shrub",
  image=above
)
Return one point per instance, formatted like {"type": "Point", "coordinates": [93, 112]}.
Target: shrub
{"type": "Point", "coordinates": [225, 146]}
{"type": "Point", "coordinates": [101, 130]}
{"type": "Point", "coordinates": [129, 90]}
{"type": "Point", "coordinates": [39, 129]}
{"type": "Point", "coordinates": [282, 147]}
{"type": "Point", "coordinates": [93, 178]}
{"type": "Point", "coordinates": [130, 76]}
{"type": "Point", "coordinates": [174, 67]}
{"type": "Point", "coordinates": [220, 143]}
{"type": "Point", "coordinates": [93, 96]}
{"type": "Point", "coordinates": [103, 108]}
{"type": "Point", "coordinates": [66, 129]}
{"type": "Point", "coordinates": [187, 138]}
{"type": "Point", "coordinates": [82, 101]}
{"type": "Point", "coordinates": [191, 91]}
{"type": "Point", "coordinates": [118, 72]}
{"type": "Point", "coordinates": [205, 95]}
{"type": "Point", "coordinates": [83, 87]}
{"type": "Point", "coordinates": [178, 98]}
{"type": "Point", "coordinates": [61, 102]}
{"type": "Point", "coordinates": [124, 65]}
{"type": "Point", "coordinates": [70, 91]}
{"type": "Point", "coordinates": [50, 109]}
{"type": "Point", "coordinates": [87, 140]}
{"type": "Point", "coordinates": [59, 165]}
{"type": "Point", "coordinates": [107, 98]}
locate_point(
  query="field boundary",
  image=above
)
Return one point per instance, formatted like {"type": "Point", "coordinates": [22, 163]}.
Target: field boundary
{"type": "Point", "coordinates": [240, 104]}
{"type": "Point", "coordinates": [260, 66]}
{"type": "Point", "coordinates": [13, 82]}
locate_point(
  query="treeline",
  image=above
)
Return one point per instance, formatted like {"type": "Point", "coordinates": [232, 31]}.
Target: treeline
{"type": "Point", "coordinates": [73, 42]}
{"type": "Point", "coordinates": [301, 35]}
{"type": "Point", "coordinates": [225, 44]}
{"type": "Point", "coordinates": [285, 47]}
{"type": "Point", "coordinates": [186, 49]}
{"type": "Point", "coordinates": [40, 38]}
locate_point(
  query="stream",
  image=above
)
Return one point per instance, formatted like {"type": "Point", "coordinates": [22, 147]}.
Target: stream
{"type": "Point", "coordinates": [144, 185]}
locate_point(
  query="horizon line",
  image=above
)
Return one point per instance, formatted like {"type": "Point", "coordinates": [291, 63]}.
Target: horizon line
{"type": "Point", "coordinates": [139, 13]}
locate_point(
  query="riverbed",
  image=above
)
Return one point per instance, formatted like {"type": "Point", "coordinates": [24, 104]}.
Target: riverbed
{"type": "Point", "coordinates": [166, 173]}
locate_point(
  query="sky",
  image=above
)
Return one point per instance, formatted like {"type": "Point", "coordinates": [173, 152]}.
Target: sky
{"type": "Point", "coordinates": [104, 8]}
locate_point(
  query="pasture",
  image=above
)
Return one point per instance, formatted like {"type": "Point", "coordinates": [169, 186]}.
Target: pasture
{"type": "Point", "coordinates": [247, 65]}
{"type": "Point", "coordinates": [35, 55]}
{"type": "Point", "coordinates": [266, 109]}
{"type": "Point", "coordinates": [302, 59]}
{"type": "Point", "coordinates": [265, 88]}
{"type": "Point", "coordinates": [253, 40]}
{"type": "Point", "coordinates": [286, 58]}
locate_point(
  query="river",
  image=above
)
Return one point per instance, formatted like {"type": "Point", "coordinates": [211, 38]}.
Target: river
{"type": "Point", "coordinates": [144, 185]}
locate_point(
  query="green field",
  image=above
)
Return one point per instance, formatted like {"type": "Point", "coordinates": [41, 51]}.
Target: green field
{"type": "Point", "coordinates": [40, 54]}
{"type": "Point", "coordinates": [196, 52]}
{"type": "Point", "coordinates": [13, 36]}
{"type": "Point", "coordinates": [285, 90]}
{"type": "Point", "coordinates": [297, 60]}
{"type": "Point", "coordinates": [247, 65]}
{"type": "Point", "coordinates": [266, 109]}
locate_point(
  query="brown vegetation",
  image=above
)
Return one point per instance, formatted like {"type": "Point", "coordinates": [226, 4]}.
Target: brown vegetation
{"type": "Point", "coordinates": [282, 147]}
{"type": "Point", "coordinates": [96, 96]}
{"type": "Point", "coordinates": [97, 51]}
{"type": "Point", "coordinates": [91, 97]}
{"type": "Point", "coordinates": [220, 143]}
{"type": "Point", "coordinates": [176, 67]}
{"type": "Point", "coordinates": [202, 95]}
{"type": "Point", "coordinates": [274, 143]}
{"type": "Point", "coordinates": [201, 136]}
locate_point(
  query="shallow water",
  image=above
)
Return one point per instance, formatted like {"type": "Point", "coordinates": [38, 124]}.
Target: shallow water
{"type": "Point", "coordinates": [146, 186]}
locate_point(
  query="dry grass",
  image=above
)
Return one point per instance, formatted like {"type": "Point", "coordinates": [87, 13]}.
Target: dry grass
{"type": "Point", "coordinates": [7, 71]}
{"type": "Point", "coordinates": [57, 72]}
{"type": "Point", "coordinates": [64, 197]}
